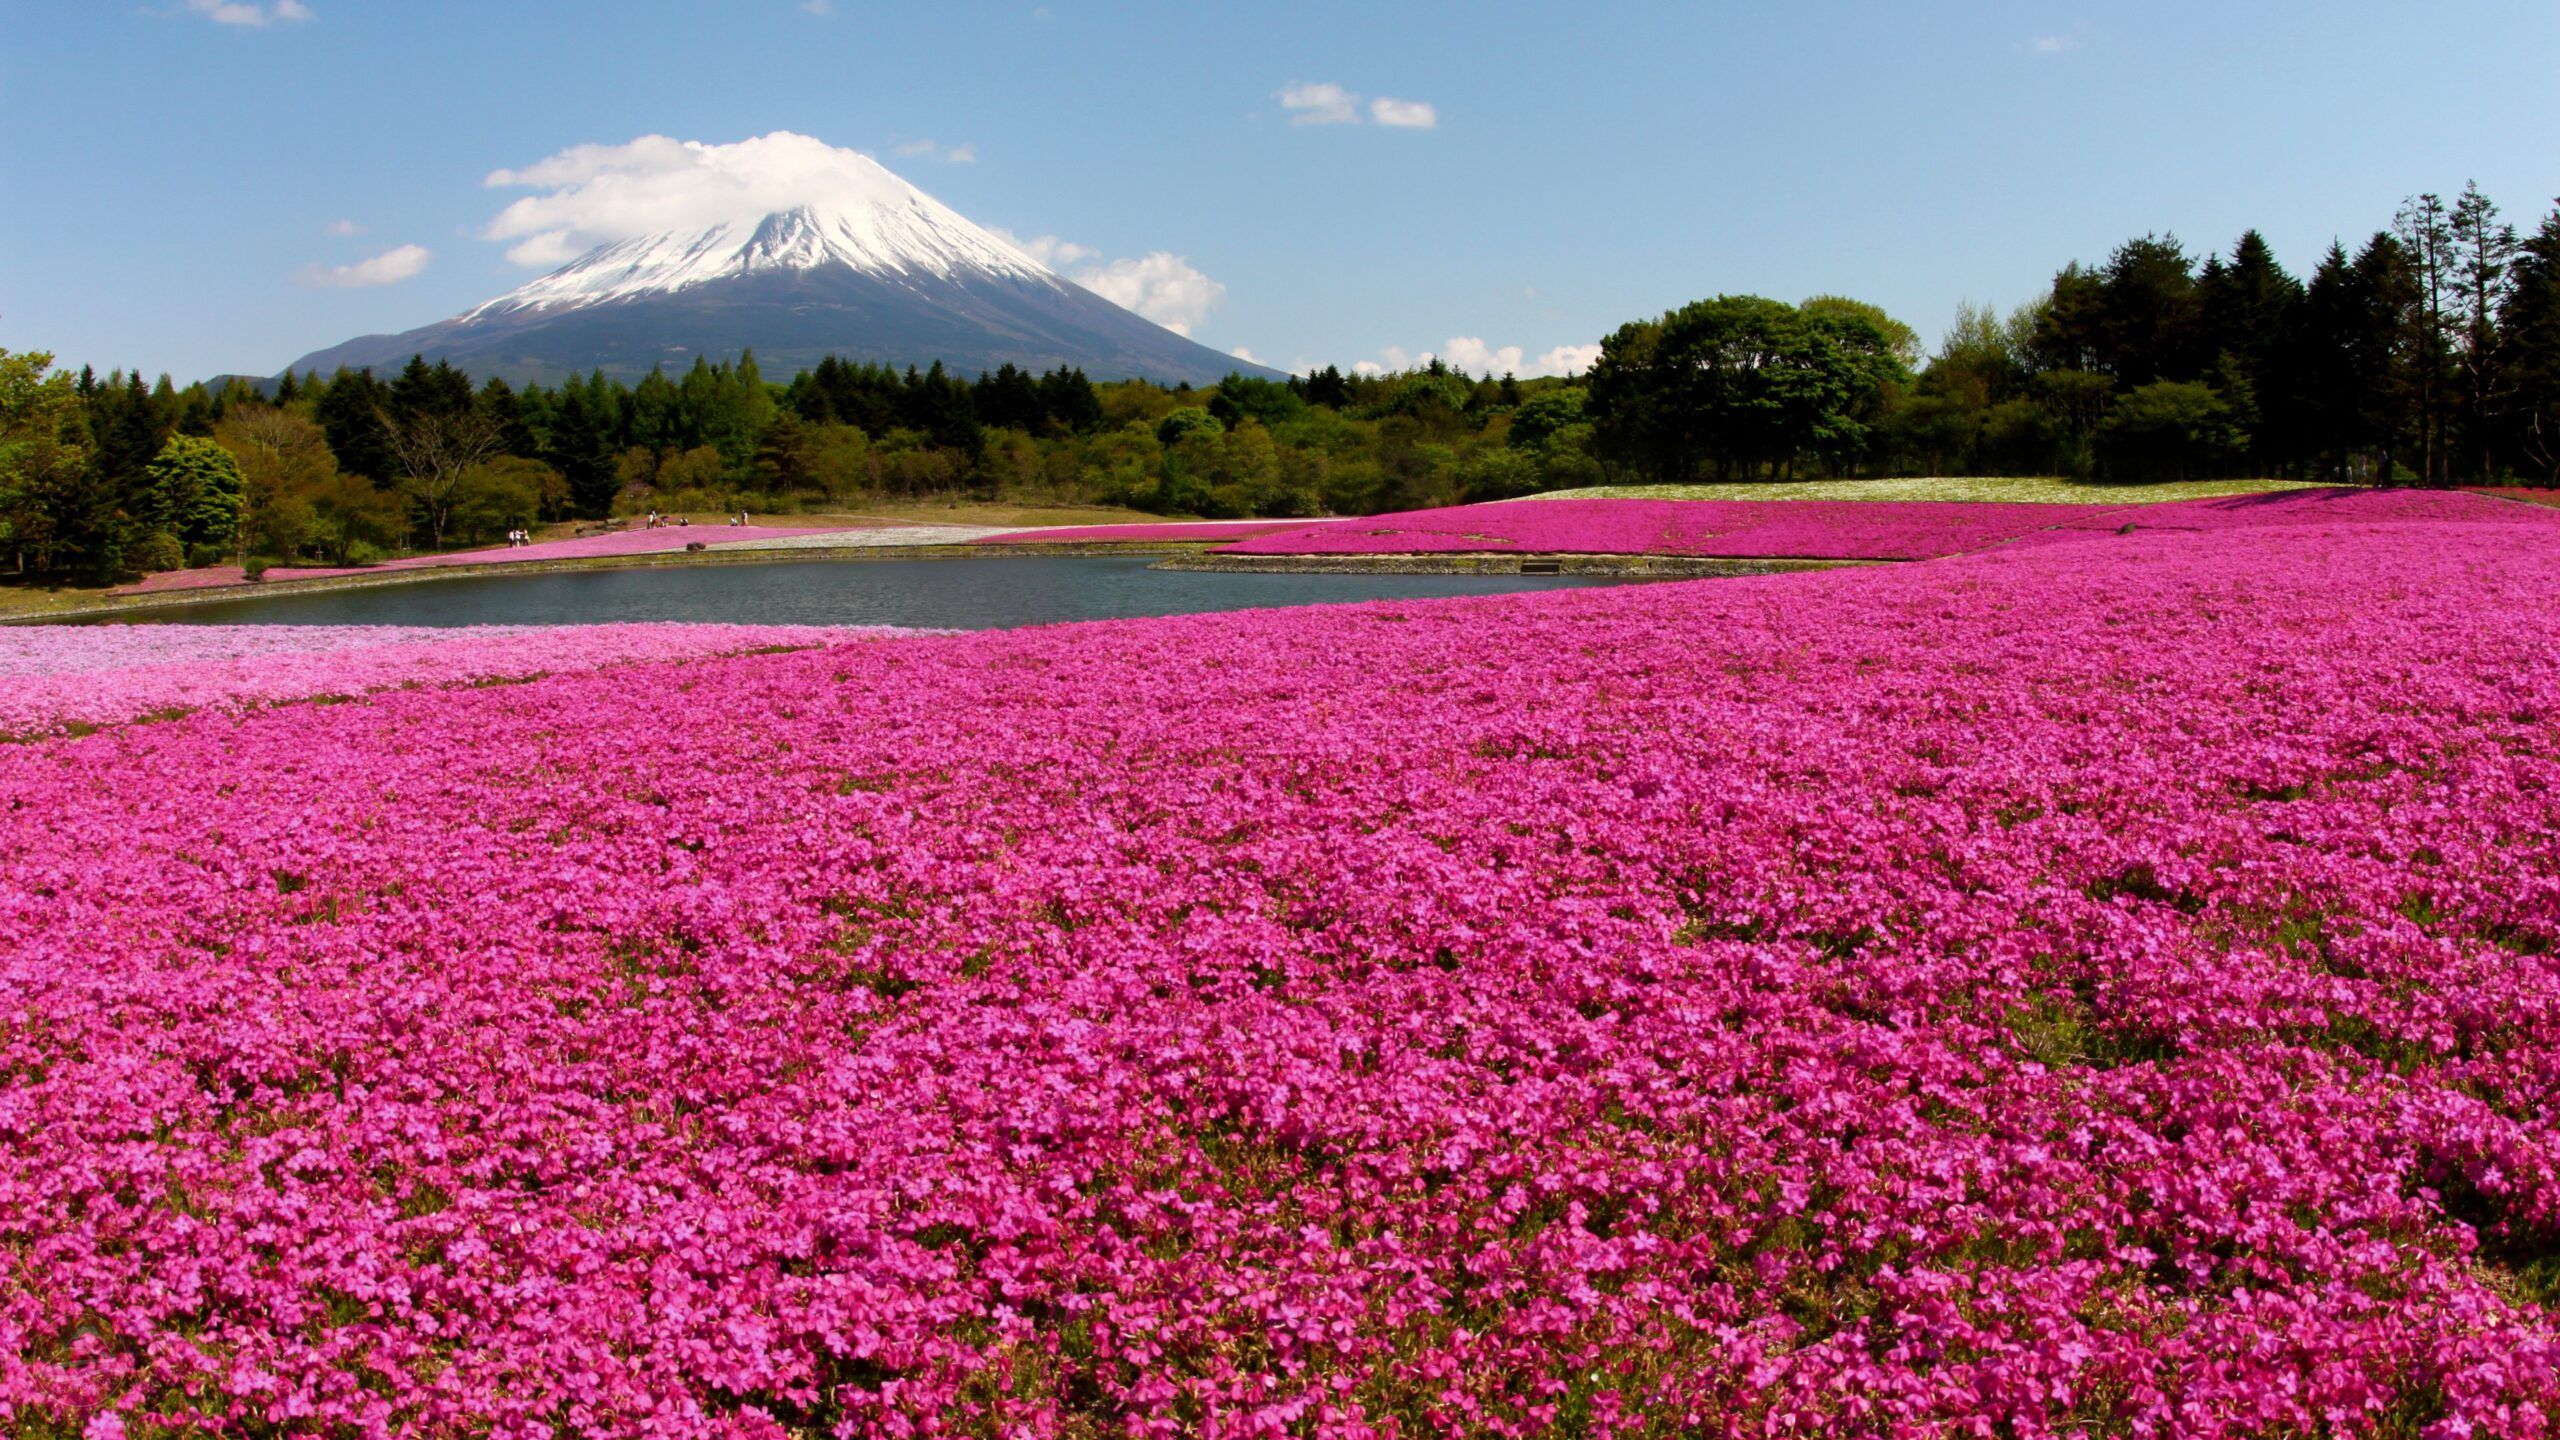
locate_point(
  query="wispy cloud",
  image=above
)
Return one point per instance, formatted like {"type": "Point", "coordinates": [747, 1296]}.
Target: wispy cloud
{"type": "Point", "coordinates": [1321, 102]}
{"type": "Point", "coordinates": [1049, 250]}
{"type": "Point", "coordinates": [388, 268]}
{"type": "Point", "coordinates": [344, 229]}
{"type": "Point", "coordinates": [1404, 114]}
{"type": "Point", "coordinates": [2061, 42]}
{"type": "Point", "coordinates": [961, 154]}
{"type": "Point", "coordinates": [819, 8]}
{"type": "Point", "coordinates": [242, 12]}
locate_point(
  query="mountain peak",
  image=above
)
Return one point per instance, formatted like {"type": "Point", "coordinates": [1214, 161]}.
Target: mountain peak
{"type": "Point", "coordinates": [876, 270]}
{"type": "Point", "coordinates": [884, 227]}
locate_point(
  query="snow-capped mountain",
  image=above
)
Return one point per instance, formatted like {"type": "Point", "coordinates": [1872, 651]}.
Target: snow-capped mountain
{"type": "Point", "coordinates": [886, 273]}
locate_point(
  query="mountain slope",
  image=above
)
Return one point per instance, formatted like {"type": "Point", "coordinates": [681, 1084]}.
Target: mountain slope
{"type": "Point", "coordinates": [889, 275]}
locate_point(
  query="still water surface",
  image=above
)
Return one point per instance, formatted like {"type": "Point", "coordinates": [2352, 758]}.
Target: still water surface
{"type": "Point", "coordinates": [952, 594]}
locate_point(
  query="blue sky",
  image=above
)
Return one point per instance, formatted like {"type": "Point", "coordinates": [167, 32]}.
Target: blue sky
{"type": "Point", "coordinates": [176, 168]}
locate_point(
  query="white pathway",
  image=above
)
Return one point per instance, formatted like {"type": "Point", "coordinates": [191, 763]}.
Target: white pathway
{"type": "Point", "coordinates": [887, 536]}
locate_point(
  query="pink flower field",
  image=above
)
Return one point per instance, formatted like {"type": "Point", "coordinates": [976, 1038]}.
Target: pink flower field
{"type": "Point", "coordinates": [79, 678]}
{"type": "Point", "coordinates": [2106, 987]}
{"type": "Point", "coordinates": [1733, 529]}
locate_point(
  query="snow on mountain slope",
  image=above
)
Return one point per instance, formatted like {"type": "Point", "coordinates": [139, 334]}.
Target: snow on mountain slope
{"type": "Point", "coordinates": [889, 228]}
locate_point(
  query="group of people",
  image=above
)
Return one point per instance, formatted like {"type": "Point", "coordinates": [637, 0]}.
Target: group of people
{"type": "Point", "coordinates": [519, 537]}
{"type": "Point", "coordinates": [678, 521]}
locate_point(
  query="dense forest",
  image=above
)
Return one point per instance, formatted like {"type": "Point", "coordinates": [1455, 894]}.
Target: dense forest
{"type": "Point", "coordinates": [2428, 355]}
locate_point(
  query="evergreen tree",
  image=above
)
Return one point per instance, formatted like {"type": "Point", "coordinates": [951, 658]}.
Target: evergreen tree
{"type": "Point", "coordinates": [2247, 311]}
{"type": "Point", "coordinates": [2388, 353]}
{"type": "Point", "coordinates": [2424, 229]}
{"type": "Point", "coordinates": [350, 412]}
{"type": "Point", "coordinates": [504, 410]}
{"type": "Point", "coordinates": [2529, 345]}
{"type": "Point", "coordinates": [582, 452]}
{"type": "Point", "coordinates": [2483, 257]}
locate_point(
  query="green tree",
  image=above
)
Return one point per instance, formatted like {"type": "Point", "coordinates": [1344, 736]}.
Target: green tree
{"type": "Point", "coordinates": [2168, 430]}
{"type": "Point", "coordinates": [2529, 341]}
{"type": "Point", "coordinates": [2424, 228]}
{"type": "Point", "coordinates": [582, 451]}
{"type": "Point", "coordinates": [193, 493]}
{"type": "Point", "coordinates": [1738, 383]}
{"type": "Point", "coordinates": [51, 515]}
{"type": "Point", "coordinates": [1187, 421]}
{"type": "Point", "coordinates": [2484, 253]}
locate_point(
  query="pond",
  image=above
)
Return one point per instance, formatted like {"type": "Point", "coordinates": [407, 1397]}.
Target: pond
{"type": "Point", "coordinates": [948, 594]}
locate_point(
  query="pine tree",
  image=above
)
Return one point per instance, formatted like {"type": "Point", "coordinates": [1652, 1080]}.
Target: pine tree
{"type": "Point", "coordinates": [2425, 232]}
{"type": "Point", "coordinates": [2247, 311]}
{"type": "Point", "coordinates": [583, 454]}
{"type": "Point", "coordinates": [2529, 354]}
{"type": "Point", "coordinates": [350, 411]}
{"type": "Point", "coordinates": [2483, 254]}
{"type": "Point", "coordinates": [2389, 358]}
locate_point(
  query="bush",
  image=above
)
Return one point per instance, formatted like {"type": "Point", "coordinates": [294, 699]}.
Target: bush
{"type": "Point", "coordinates": [256, 566]}
{"type": "Point", "coordinates": [156, 552]}
{"type": "Point", "coordinates": [2171, 430]}
{"type": "Point", "coordinates": [199, 556]}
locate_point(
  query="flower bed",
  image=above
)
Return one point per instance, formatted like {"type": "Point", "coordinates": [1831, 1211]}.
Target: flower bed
{"type": "Point", "coordinates": [2529, 494]}
{"type": "Point", "coordinates": [82, 677]}
{"type": "Point", "coordinates": [2111, 987]}
{"type": "Point", "coordinates": [1733, 529]}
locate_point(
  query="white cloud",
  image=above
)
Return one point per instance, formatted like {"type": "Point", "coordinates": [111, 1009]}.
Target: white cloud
{"type": "Point", "coordinates": [241, 12]}
{"type": "Point", "coordinates": [1320, 103]}
{"type": "Point", "coordinates": [1325, 103]}
{"type": "Point", "coordinates": [935, 150]}
{"type": "Point", "coordinates": [1248, 357]}
{"type": "Point", "coordinates": [388, 268]}
{"type": "Point", "coordinates": [1049, 250]}
{"type": "Point", "coordinates": [1474, 356]}
{"type": "Point", "coordinates": [343, 229]}
{"type": "Point", "coordinates": [1404, 114]}
{"type": "Point", "coordinates": [597, 194]}
{"type": "Point", "coordinates": [2052, 44]}
{"type": "Point", "coordinates": [1567, 360]}
{"type": "Point", "coordinates": [1162, 286]}
{"type": "Point", "coordinates": [820, 8]}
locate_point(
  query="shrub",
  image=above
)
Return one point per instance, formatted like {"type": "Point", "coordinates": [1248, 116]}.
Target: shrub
{"type": "Point", "coordinates": [156, 551]}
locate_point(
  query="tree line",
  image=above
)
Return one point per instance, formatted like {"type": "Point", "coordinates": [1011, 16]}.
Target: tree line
{"type": "Point", "coordinates": [2429, 354]}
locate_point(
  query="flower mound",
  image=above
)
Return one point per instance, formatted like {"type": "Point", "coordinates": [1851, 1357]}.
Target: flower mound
{"type": "Point", "coordinates": [2108, 987]}
{"type": "Point", "coordinates": [1730, 529]}
{"type": "Point", "coordinates": [79, 678]}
